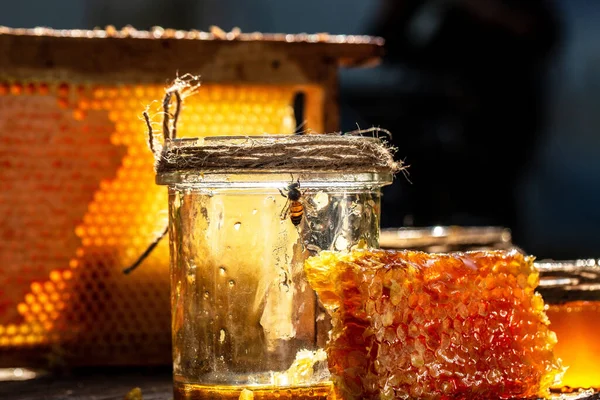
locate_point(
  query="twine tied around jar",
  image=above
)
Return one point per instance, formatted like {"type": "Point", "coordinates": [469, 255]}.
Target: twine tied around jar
{"type": "Point", "coordinates": [349, 152]}
{"type": "Point", "coordinates": [344, 152]}
{"type": "Point", "coordinates": [285, 153]}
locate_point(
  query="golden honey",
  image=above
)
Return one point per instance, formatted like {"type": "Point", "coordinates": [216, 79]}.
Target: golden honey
{"type": "Point", "coordinates": [577, 326]}
{"type": "Point", "coordinates": [198, 392]}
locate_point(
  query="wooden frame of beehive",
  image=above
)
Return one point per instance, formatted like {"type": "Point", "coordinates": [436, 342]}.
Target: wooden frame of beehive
{"type": "Point", "coordinates": [79, 200]}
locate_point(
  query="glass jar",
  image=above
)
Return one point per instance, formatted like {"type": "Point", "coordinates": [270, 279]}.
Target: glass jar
{"type": "Point", "coordinates": [245, 322]}
{"type": "Point", "coordinates": [571, 290]}
{"type": "Point", "coordinates": [443, 239]}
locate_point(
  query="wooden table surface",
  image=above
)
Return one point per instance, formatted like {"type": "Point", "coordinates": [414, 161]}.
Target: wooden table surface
{"type": "Point", "coordinates": [110, 384]}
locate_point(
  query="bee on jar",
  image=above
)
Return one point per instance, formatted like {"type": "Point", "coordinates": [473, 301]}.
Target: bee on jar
{"type": "Point", "coordinates": [294, 207]}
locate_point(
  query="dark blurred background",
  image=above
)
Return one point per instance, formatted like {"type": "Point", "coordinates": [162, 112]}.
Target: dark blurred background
{"type": "Point", "coordinates": [493, 103]}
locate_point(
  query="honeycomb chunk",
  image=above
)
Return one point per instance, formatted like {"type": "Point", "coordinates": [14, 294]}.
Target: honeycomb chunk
{"type": "Point", "coordinates": [408, 324]}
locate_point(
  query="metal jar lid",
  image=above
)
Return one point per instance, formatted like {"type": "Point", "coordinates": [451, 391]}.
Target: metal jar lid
{"type": "Point", "coordinates": [566, 281]}
{"type": "Point", "coordinates": [447, 238]}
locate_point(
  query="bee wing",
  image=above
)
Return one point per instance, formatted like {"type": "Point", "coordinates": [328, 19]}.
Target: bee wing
{"type": "Point", "coordinates": [285, 211]}
{"type": "Point", "coordinates": [309, 207]}
{"type": "Point", "coordinates": [305, 229]}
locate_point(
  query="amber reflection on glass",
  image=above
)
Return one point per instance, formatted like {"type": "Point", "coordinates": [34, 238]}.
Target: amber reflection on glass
{"type": "Point", "coordinates": [577, 326]}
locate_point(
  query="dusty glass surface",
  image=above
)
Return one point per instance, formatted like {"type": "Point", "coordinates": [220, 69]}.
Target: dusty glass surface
{"type": "Point", "coordinates": [244, 316]}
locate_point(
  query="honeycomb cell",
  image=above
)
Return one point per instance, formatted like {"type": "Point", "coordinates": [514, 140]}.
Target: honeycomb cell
{"type": "Point", "coordinates": [16, 88]}
{"type": "Point", "coordinates": [30, 88]}
{"type": "Point", "coordinates": [79, 114]}
{"type": "Point", "coordinates": [55, 276]}
{"type": "Point", "coordinates": [36, 288]}
{"type": "Point", "coordinates": [63, 90]}
{"type": "Point", "coordinates": [22, 308]}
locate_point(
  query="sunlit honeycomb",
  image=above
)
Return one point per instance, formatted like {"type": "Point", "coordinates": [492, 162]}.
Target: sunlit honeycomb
{"type": "Point", "coordinates": [79, 204]}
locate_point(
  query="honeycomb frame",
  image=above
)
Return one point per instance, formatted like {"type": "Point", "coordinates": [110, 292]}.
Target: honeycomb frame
{"type": "Point", "coordinates": [80, 201]}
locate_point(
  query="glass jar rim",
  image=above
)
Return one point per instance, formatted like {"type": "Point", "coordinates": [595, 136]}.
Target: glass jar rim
{"type": "Point", "coordinates": [564, 281]}
{"type": "Point", "coordinates": [407, 237]}
{"type": "Point", "coordinates": [275, 179]}
{"type": "Point", "coordinates": [199, 141]}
